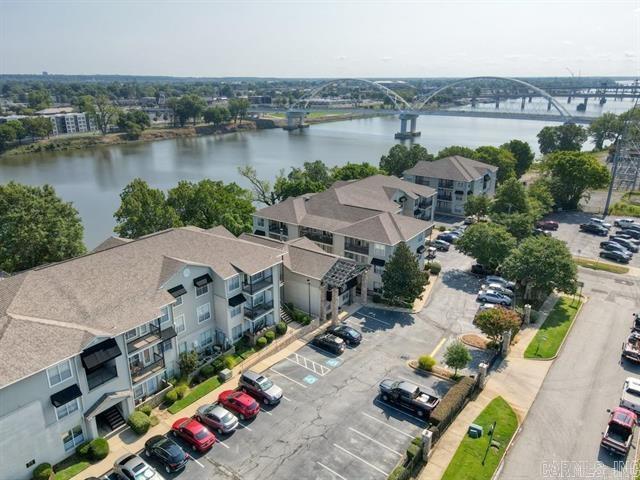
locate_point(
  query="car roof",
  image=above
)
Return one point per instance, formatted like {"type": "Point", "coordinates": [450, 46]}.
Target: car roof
{"type": "Point", "coordinates": [251, 375]}
{"type": "Point", "coordinates": [192, 425]}
{"type": "Point", "coordinates": [243, 398]}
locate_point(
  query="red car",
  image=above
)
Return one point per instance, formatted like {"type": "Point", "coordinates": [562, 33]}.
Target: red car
{"type": "Point", "coordinates": [241, 403]}
{"type": "Point", "coordinates": [547, 225]}
{"type": "Point", "coordinates": [194, 433]}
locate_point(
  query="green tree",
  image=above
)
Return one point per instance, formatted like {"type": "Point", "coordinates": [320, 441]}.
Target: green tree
{"type": "Point", "coordinates": [39, 99]}
{"type": "Point", "coordinates": [523, 154]}
{"type": "Point", "coordinates": [354, 171]}
{"type": "Point", "coordinates": [37, 127]}
{"type": "Point", "coordinates": [457, 150]}
{"type": "Point", "coordinates": [36, 227]}
{"type": "Point", "coordinates": [18, 128]}
{"type": "Point", "coordinates": [493, 322]}
{"type": "Point", "coordinates": [477, 205]}
{"type": "Point", "coordinates": [238, 108]}
{"type": "Point", "coordinates": [488, 243]}
{"type": "Point", "coordinates": [457, 356]}
{"type": "Point", "coordinates": [7, 135]}
{"type": "Point", "coordinates": [402, 280]}
{"type": "Point", "coordinates": [313, 177]}
{"type": "Point", "coordinates": [262, 190]}
{"type": "Point", "coordinates": [571, 174]}
{"type": "Point", "coordinates": [143, 210]}
{"type": "Point", "coordinates": [188, 362]}
{"type": "Point", "coordinates": [606, 127]}
{"type": "Point", "coordinates": [511, 197]}
{"type": "Point", "coordinates": [189, 106]}
{"type": "Point", "coordinates": [133, 123]}
{"type": "Point", "coordinates": [401, 158]}
{"type": "Point", "coordinates": [499, 157]}
{"type": "Point", "coordinates": [101, 110]}
{"type": "Point", "coordinates": [567, 137]}
{"type": "Point", "coordinates": [520, 225]}
{"type": "Point", "coordinates": [540, 198]}
{"type": "Point", "coordinates": [542, 264]}
{"type": "Point", "coordinates": [217, 115]}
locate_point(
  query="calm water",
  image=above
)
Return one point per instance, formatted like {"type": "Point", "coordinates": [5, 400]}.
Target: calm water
{"type": "Point", "coordinates": [92, 179]}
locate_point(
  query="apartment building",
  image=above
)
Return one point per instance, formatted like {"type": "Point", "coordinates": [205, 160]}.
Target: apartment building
{"type": "Point", "coordinates": [66, 123]}
{"type": "Point", "coordinates": [82, 342]}
{"type": "Point", "coordinates": [362, 220]}
{"type": "Point", "coordinates": [455, 178]}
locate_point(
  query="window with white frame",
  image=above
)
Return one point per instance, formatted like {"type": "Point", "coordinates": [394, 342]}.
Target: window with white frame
{"type": "Point", "coordinates": [203, 312]}
{"type": "Point", "coordinates": [73, 438]}
{"type": "Point", "coordinates": [233, 283]}
{"type": "Point", "coordinates": [378, 269]}
{"type": "Point", "coordinates": [206, 338]}
{"type": "Point", "coordinates": [379, 250]}
{"type": "Point", "coordinates": [236, 332]}
{"type": "Point", "coordinates": [182, 348]}
{"type": "Point", "coordinates": [164, 316]}
{"type": "Point", "coordinates": [133, 333]}
{"type": "Point", "coordinates": [59, 373]}
{"type": "Point", "coordinates": [67, 409]}
{"type": "Point", "coordinates": [260, 222]}
{"type": "Point", "coordinates": [178, 301]}
{"type": "Point", "coordinates": [203, 290]}
{"type": "Point", "coordinates": [167, 345]}
{"type": "Point", "coordinates": [235, 311]}
{"type": "Point", "coordinates": [138, 391]}
{"type": "Point", "coordinates": [180, 325]}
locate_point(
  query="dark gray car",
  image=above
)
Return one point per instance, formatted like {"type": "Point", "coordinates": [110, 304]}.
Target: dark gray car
{"type": "Point", "coordinates": [260, 387]}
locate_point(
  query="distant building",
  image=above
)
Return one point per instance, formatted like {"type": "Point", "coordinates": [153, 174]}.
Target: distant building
{"type": "Point", "coordinates": [456, 178]}
{"type": "Point", "coordinates": [66, 123]}
{"type": "Point", "coordinates": [260, 100]}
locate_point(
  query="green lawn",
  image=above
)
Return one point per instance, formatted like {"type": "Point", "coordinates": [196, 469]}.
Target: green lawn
{"type": "Point", "coordinates": [70, 467]}
{"type": "Point", "coordinates": [600, 265]}
{"type": "Point", "coordinates": [466, 464]}
{"type": "Point", "coordinates": [196, 394]}
{"type": "Point", "coordinates": [552, 332]}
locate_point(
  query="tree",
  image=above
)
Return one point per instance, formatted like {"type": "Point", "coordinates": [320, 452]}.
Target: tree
{"type": "Point", "coordinates": [313, 177]}
{"type": "Point", "coordinates": [540, 198]}
{"type": "Point", "coordinates": [143, 210]}
{"type": "Point", "coordinates": [606, 127]}
{"type": "Point", "coordinates": [188, 362]}
{"type": "Point", "coordinates": [457, 356]}
{"type": "Point", "coordinates": [401, 158]}
{"type": "Point", "coordinates": [36, 227]}
{"type": "Point", "coordinates": [37, 127]}
{"type": "Point", "coordinates": [217, 115]}
{"type": "Point", "coordinates": [488, 243]}
{"type": "Point", "coordinates": [262, 191]}
{"type": "Point", "coordinates": [499, 157]}
{"type": "Point", "coordinates": [209, 203]}
{"type": "Point", "coordinates": [477, 205]}
{"type": "Point", "coordinates": [101, 110]}
{"type": "Point", "coordinates": [238, 108]}
{"type": "Point", "coordinates": [571, 174]}
{"type": "Point", "coordinates": [493, 322]}
{"type": "Point", "coordinates": [7, 135]}
{"type": "Point", "coordinates": [189, 106]}
{"type": "Point", "coordinates": [523, 154]}
{"type": "Point", "coordinates": [567, 137]}
{"type": "Point", "coordinates": [402, 280]}
{"type": "Point", "coordinates": [511, 197]}
{"type": "Point", "coordinates": [542, 264]}
{"type": "Point", "coordinates": [520, 225]}
{"type": "Point", "coordinates": [18, 128]}
{"type": "Point", "coordinates": [39, 99]}
{"type": "Point", "coordinates": [457, 150]}
{"type": "Point", "coordinates": [354, 171]}
{"type": "Point", "coordinates": [133, 123]}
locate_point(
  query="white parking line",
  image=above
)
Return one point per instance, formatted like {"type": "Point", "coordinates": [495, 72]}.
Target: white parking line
{"type": "Point", "coordinates": [386, 474]}
{"type": "Point", "coordinates": [327, 468]}
{"type": "Point", "coordinates": [264, 411]}
{"type": "Point", "coordinates": [288, 378]}
{"type": "Point", "coordinates": [360, 326]}
{"type": "Point", "coordinates": [384, 322]}
{"type": "Point", "coordinates": [286, 398]}
{"type": "Point", "coordinates": [387, 425]}
{"type": "Point", "coordinates": [244, 426]}
{"type": "Point", "coordinates": [315, 367]}
{"type": "Point", "coordinates": [223, 444]}
{"type": "Point", "coordinates": [375, 441]}
{"type": "Point", "coordinates": [201, 465]}
{"type": "Point", "coordinates": [421, 420]}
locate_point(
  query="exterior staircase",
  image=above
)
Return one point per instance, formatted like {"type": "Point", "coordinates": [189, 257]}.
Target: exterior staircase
{"type": "Point", "coordinates": [284, 316]}
{"type": "Point", "coordinates": [113, 417]}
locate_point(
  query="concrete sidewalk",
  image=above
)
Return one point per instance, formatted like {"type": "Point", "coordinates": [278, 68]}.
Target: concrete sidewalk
{"type": "Point", "coordinates": [516, 379]}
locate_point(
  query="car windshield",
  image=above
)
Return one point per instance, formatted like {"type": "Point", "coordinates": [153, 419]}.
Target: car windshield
{"type": "Point", "coordinates": [265, 383]}
{"type": "Point", "coordinates": [226, 418]}
{"type": "Point", "coordinates": [143, 472]}
{"type": "Point", "coordinates": [202, 434]}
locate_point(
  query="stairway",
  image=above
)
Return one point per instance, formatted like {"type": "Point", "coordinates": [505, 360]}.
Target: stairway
{"type": "Point", "coordinates": [113, 417]}
{"type": "Point", "coordinates": [284, 316]}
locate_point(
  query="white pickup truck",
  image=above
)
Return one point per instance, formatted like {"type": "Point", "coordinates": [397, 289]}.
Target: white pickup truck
{"type": "Point", "coordinates": [630, 397]}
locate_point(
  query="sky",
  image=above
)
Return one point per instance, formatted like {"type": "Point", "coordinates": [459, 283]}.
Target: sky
{"type": "Point", "coordinates": [321, 38]}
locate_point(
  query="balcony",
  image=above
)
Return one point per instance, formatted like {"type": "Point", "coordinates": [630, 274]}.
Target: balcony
{"type": "Point", "coordinates": [278, 228]}
{"type": "Point", "coordinates": [255, 311]}
{"type": "Point", "coordinates": [154, 336]}
{"type": "Point", "coordinates": [139, 371]}
{"type": "Point", "coordinates": [255, 287]}
{"type": "Point", "coordinates": [317, 235]}
{"type": "Point", "coordinates": [362, 248]}
{"type": "Point", "coordinates": [101, 375]}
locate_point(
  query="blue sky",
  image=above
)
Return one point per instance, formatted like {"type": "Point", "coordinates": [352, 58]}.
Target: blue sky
{"type": "Point", "coordinates": [322, 38]}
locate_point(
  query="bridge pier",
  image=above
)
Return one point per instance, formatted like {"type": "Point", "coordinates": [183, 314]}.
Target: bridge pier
{"type": "Point", "coordinates": [524, 99]}
{"type": "Point", "coordinates": [403, 134]}
{"type": "Point", "coordinates": [295, 120]}
{"type": "Point", "coordinates": [549, 104]}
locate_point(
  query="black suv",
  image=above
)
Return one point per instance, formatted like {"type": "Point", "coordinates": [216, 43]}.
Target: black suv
{"type": "Point", "coordinates": [329, 342]}
{"type": "Point", "coordinates": [351, 336]}
{"type": "Point", "coordinates": [481, 270]}
{"type": "Point", "coordinates": [616, 256]}
{"type": "Point", "coordinates": [595, 229]}
{"type": "Point", "coordinates": [260, 387]}
{"type": "Point", "coordinates": [166, 452]}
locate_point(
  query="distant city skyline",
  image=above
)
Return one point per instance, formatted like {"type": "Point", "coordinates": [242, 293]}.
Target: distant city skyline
{"type": "Point", "coordinates": [350, 38]}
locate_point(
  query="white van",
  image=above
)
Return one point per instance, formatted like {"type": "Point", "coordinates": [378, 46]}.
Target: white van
{"type": "Point", "coordinates": [630, 397]}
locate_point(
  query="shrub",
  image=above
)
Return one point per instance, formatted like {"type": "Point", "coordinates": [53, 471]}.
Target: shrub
{"type": "Point", "coordinates": [229, 362]}
{"type": "Point", "coordinates": [452, 402]}
{"type": "Point", "coordinates": [417, 441]}
{"type": "Point", "coordinates": [412, 451]}
{"type": "Point", "coordinates": [43, 472]}
{"type": "Point", "coordinates": [261, 342]}
{"type": "Point", "coordinates": [442, 228]}
{"type": "Point", "coordinates": [181, 391]}
{"type": "Point", "coordinates": [376, 298]}
{"type": "Point", "coordinates": [218, 365]}
{"type": "Point", "coordinates": [397, 473]}
{"type": "Point", "coordinates": [270, 336]}
{"type": "Point", "coordinates": [146, 409]}
{"type": "Point", "coordinates": [139, 422]}
{"type": "Point", "coordinates": [98, 449]}
{"type": "Point", "coordinates": [207, 371]}
{"type": "Point", "coordinates": [188, 362]}
{"type": "Point", "coordinates": [281, 328]}
{"type": "Point", "coordinates": [171, 397]}
{"type": "Point", "coordinates": [435, 267]}
{"type": "Point", "coordinates": [83, 449]}
{"type": "Point", "coordinates": [426, 362]}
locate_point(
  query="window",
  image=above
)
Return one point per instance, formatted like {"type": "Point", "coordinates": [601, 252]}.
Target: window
{"type": "Point", "coordinates": [379, 250]}
{"type": "Point", "coordinates": [202, 290]}
{"type": "Point", "coordinates": [377, 269]}
{"type": "Point", "coordinates": [59, 373]}
{"type": "Point", "coordinates": [260, 222]}
{"type": "Point", "coordinates": [180, 326]}
{"type": "Point", "coordinates": [182, 347]}
{"type": "Point", "coordinates": [133, 333]}
{"type": "Point", "coordinates": [178, 301]}
{"type": "Point", "coordinates": [67, 409]}
{"type": "Point", "coordinates": [164, 317]}
{"type": "Point", "coordinates": [138, 391]}
{"type": "Point", "coordinates": [203, 312]}
{"type": "Point", "coordinates": [235, 311]}
{"type": "Point", "coordinates": [206, 338]}
{"type": "Point", "coordinates": [233, 283]}
{"type": "Point", "coordinates": [143, 329]}
{"type": "Point", "coordinates": [73, 438]}
{"type": "Point", "coordinates": [167, 345]}
{"type": "Point", "coordinates": [236, 332]}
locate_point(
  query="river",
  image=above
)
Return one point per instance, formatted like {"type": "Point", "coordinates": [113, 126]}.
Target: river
{"type": "Point", "coordinates": [92, 179]}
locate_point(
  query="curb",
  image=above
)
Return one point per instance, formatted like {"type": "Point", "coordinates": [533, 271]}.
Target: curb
{"type": "Point", "coordinates": [424, 373]}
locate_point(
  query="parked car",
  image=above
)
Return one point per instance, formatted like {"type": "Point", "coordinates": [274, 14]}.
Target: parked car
{"type": "Point", "coordinates": [194, 433]}
{"type": "Point", "coordinates": [480, 270]}
{"type": "Point", "coordinates": [634, 226]}
{"type": "Point", "coordinates": [624, 222]}
{"type": "Point", "coordinates": [618, 436]}
{"type": "Point", "coordinates": [431, 253]}
{"type": "Point", "coordinates": [132, 467]}
{"type": "Point", "coordinates": [626, 242]}
{"type": "Point", "coordinates": [501, 281]}
{"type": "Point", "coordinates": [349, 334]}
{"type": "Point", "coordinates": [491, 296]}
{"type": "Point", "coordinates": [631, 347]}
{"type": "Point", "coordinates": [616, 256]}
{"type": "Point", "coordinates": [167, 452]}
{"type": "Point", "coordinates": [540, 232]}
{"type": "Point", "coordinates": [447, 237]}
{"type": "Point", "coordinates": [595, 229]}
{"type": "Point", "coordinates": [486, 306]}
{"type": "Point", "coordinates": [547, 225]}
{"type": "Point", "coordinates": [613, 247]}
{"type": "Point", "coordinates": [630, 232]}
{"type": "Point", "coordinates": [599, 221]}
{"type": "Point", "coordinates": [441, 245]}
{"type": "Point", "coordinates": [470, 220]}
{"type": "Point", "coordinates": [496, 287]}
{"type": "Point", "coordinates": [409, 396]}
{"type": "Point", "coordinates": [329, 342]}
{"type": "Point", "coordinates": [242, 404]}
{"type": "Point", "coordinates": [217, 418]}
{"type": "Point", "coordinates": [260, 387]}
{"type": "Point", "coordinates": [630, 397]}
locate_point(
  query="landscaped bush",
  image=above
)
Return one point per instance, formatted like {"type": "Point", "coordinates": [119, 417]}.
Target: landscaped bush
{"type": "Point", "coordinates": [397, 473]}
{"type": "Point", "coordinates": [442, 228]}
{"type": "Point", "coordinates": [229, 362]}
{"type": "Point", "coordinates": [139, 422]}
{"type": "Point", "coordinates": [261, 342]}
{"type": "Point", "coordinates": [218, 365]}
{"type": "Point", "coordinates": [270, 336]}
{"type": "Point", "coordinates": [146, 409]}
{"type": "Point", "coordinates": [426, 362]}
{"type": "Point", "coordinates": [207, 371]}
{"type": "Point", "coordinates": [281, 328]}
{"type": "Point", "coordinates": [43, 472]}
{"type": "Point", "coordinates": [181, 390]}
{"type": "Point", "coordinates": [435, 267]}
{"type": "Point", "coordinates": [171, 397]}
{"type": "Point", "coordinates": [413, 451]}
{"type": "Point", "coordinates": [376, 298]}
{"type": "Point", "coordinates": [83, 449]}
{"type": "Point", "coordinates": [98, 449]}
{"type": "Point", "coordinates": [452, 402]}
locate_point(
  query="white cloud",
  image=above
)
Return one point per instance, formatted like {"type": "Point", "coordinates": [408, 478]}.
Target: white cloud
{"type": "Point", "coordinates": [630, 54]}
{"type": "Point", "coordinates": [386, 59]}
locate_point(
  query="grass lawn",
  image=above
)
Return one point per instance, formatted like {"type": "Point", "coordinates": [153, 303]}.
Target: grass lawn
{"type": "Point", "coordinates": [195, 394]}
{"type": "Point", "coordinates": [552, 332]}
{"type": "Point", "coordinates": [466, 464]}
{"type": "Point", "coordinates": [600, 265]}
{"type": "Point", "coordinates": [70, 467]}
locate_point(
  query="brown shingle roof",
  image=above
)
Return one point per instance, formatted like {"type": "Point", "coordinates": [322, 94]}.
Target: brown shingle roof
{"type": "Point", "coordinates": [455, 167]}
{"type": "Point", "coordinates": [387, 228]}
